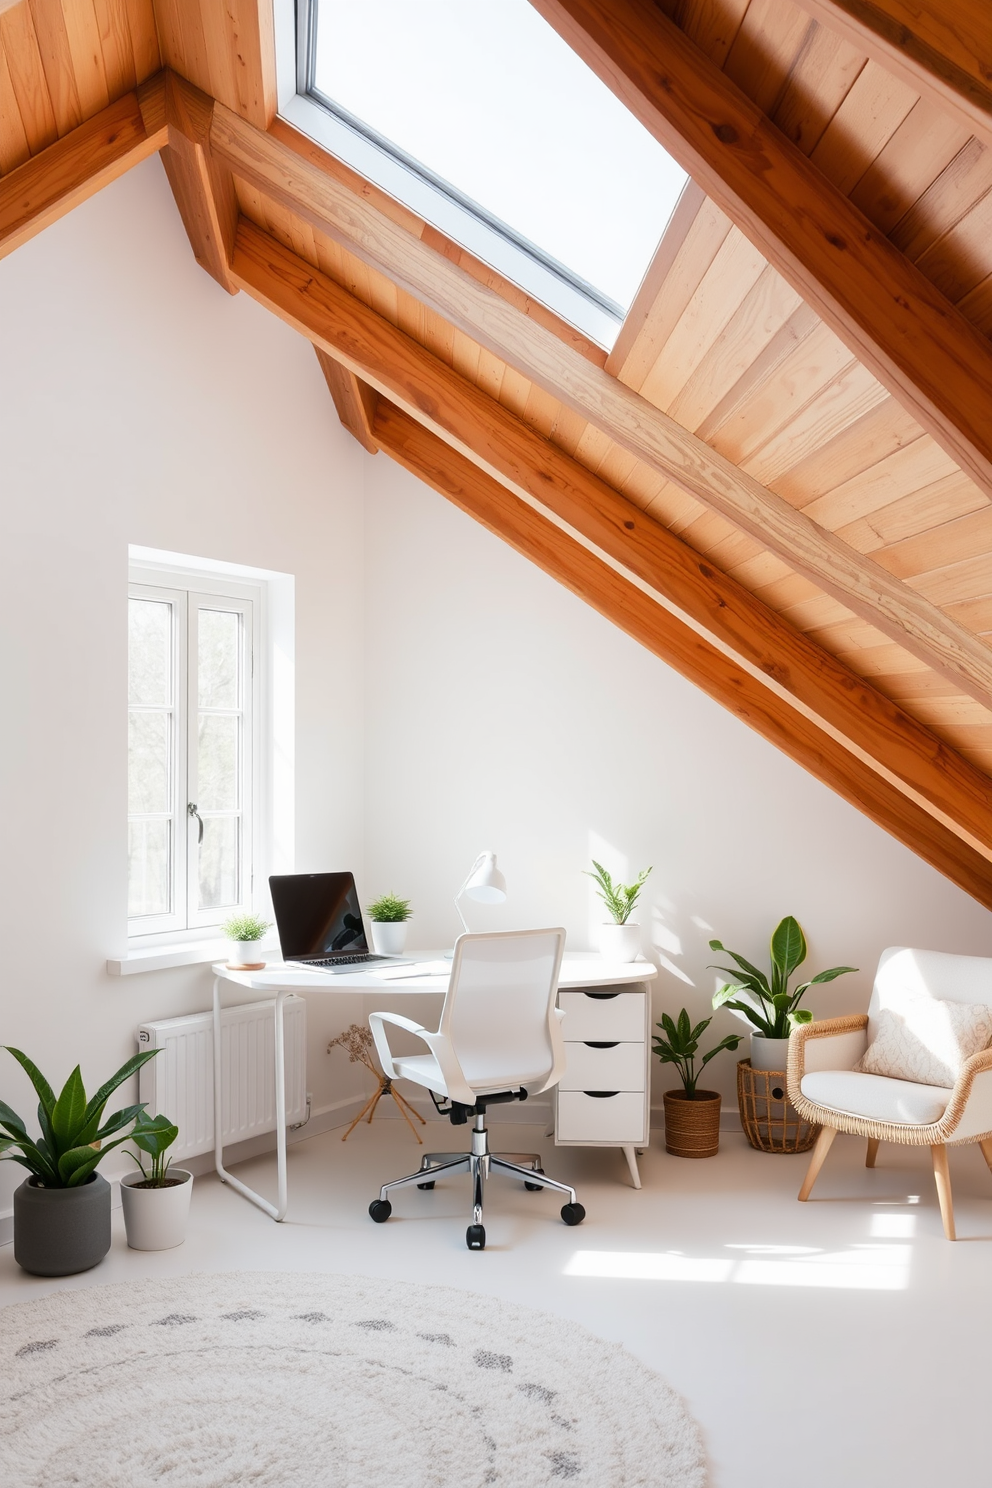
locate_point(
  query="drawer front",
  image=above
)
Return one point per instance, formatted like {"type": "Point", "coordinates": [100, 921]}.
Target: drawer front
{"type": "Point", "coordinates": [612, 1118]}
{"type": "Point", "coordinates": [618, 1068]}
{"type": "Point", "coordinates": [619, 1018]}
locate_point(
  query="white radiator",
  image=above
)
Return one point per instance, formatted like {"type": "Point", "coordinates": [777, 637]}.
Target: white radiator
{"type": "Point", "coordinates": [179, 1082]}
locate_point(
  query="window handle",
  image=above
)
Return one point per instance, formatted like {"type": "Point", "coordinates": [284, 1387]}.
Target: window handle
{"type": "Point", "coordinates": [191, 810]}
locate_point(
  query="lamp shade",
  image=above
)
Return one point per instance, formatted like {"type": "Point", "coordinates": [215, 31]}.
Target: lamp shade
{"type": "Point", "coordinates": [486, 884]}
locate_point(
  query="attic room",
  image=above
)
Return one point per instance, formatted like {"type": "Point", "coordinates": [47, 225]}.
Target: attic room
{"type": "Point", "coordinates": [497, 510]}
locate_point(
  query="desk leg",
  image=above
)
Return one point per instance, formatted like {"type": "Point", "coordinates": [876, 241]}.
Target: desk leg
{"type": "Point", "coordinates": [276, 1212]}
{"type": "Point", "coordinates": [631, 1157]}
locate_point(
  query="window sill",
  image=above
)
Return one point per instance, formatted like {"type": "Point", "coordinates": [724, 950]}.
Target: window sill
{"type": "Point", "coordinates": [188, 953]}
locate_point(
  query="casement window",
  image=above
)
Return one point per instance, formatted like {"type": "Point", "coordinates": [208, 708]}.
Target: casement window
{"type": "Point", "coordinates": [193, 643]}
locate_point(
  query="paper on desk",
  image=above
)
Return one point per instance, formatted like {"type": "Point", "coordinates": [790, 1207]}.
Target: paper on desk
{"type": "Point", "coordinates": [418, 969]}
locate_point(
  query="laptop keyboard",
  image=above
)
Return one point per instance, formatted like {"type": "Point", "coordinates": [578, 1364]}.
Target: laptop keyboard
{"type": "Point", "coordinates": [345, 960]}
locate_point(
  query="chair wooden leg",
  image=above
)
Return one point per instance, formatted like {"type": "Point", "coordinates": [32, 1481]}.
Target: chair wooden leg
{"type": "Point", "coordinates": [824, 1142]}
{"type": "Point", "coordinates": [872, 1152]}
{"type": "Point", "coordinates": [942, 1175]}
{"type": "Point", "coordinates": [986, 1147]}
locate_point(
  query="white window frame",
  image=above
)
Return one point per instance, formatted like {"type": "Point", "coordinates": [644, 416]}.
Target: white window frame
{"type": "Point", "coordinates": [188, 590]}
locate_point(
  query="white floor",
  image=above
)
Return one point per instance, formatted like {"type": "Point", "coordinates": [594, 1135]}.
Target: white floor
{"type": "Point", "coordinates": [837, 1344]}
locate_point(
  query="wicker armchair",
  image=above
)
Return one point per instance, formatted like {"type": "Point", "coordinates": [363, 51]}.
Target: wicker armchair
{"type": "Point", "coordinates": [825, 1088]}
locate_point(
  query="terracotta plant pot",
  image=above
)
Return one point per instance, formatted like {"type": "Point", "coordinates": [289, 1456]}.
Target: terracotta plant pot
{"type": "Point", "coordinates": [692, 1123]}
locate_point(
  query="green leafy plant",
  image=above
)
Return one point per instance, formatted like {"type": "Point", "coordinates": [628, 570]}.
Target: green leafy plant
{"type": "Point", "coordinates": [678, 1044]}
{"type": "Point", "coordinates": [389, 910]}
{"type": "Point", "coordinates": [245, 927]}
{"type": "Point", "coordinates": [768, 1003]}
{"type": "Point", "coordinates": [619, 898]}
{"type": "Point", "coordinates": [154, 1135]}
{"type": "Point", "coordinates": [64, 1155]}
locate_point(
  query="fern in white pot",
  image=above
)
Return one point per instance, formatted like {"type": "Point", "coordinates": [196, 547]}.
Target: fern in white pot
{"type": "Point", "coordinates": [619, 936]}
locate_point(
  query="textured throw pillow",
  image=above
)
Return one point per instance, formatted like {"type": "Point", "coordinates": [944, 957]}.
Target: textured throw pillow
{"type": "Point", "coordinates": [926, 1040]}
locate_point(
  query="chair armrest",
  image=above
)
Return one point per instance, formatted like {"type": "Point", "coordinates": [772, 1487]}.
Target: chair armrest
{"type": "Point", "coordinates": [969, 1110]}
{"type": "Point", "coordinates": [376, 1020]}
{"type": "Point", "coordinates": [835, 1044]}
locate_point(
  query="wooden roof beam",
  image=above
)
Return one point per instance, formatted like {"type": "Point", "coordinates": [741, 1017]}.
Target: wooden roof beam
{"type": "Point", "coordinates": [75, 167]}
{"type": "Point", "coordinates": [773, 652]}
{"type": "Point", "coordinates": [885, 310]}
{"type": "Point", "coordinates": [293, 175]}
{"type": "Point", "coordinates": [354, 400]}
{"type": "Point", "coordinates": [203, 187]}
{"type": "Point", "coordinates": [627, 606]}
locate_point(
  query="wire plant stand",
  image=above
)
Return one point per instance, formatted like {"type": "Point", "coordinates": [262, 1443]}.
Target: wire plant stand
{"type": "Point", "coordinates": [358, 1043]}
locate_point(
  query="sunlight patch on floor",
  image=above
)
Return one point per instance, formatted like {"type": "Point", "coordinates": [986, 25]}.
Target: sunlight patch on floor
{"type": "Point", "coordinates": [865, 1267]}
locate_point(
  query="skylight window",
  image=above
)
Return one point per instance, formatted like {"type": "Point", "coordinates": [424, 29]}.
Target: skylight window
{"type": "Point", "coordinates": [478, 115]}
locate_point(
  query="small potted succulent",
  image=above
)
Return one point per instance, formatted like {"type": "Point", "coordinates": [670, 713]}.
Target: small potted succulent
{"type": "Point", "coordinates": [692, 1116]}
{"type": "Point", "coordinates": [389, 916]}
{"type": "Point", "coordinates": [244, 931]}
{"type": "Point", "coordinates": [62, 1210]}
{"type": "Point", "coordinates": [768, 1004]}
{"type": "Point", "coordinates": [156, 1198]}
{"type": "Point", "coordinates": [619, 937]}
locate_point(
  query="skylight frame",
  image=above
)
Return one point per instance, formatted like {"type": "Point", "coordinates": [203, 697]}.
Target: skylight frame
{"type": "Point", "coordinates": [460, 218]}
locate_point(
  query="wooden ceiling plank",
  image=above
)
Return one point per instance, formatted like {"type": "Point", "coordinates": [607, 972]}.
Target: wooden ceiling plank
{"type": "Point", "coordinates": [954, 496]}
{"type": "Point", "coordinates": [27, 77]}
{"type": "Point", "coordinates": [115, 45]}
{"type": "Point", "coordinates": [712, 24]}
{"type": "Point", "coordinates": [770, 37]}
{"type": "Point", "coordinates": [620, 413]}
{"type": "Point", "coordinates": [83, 35]}
{"type": "Point", "coordinates": [819, 81]}
{"type": "Point", "coordinates": [964, 537]}
{"type": "Point", "coordinates": [947, 199]}
{"type": "Point", "coordinates": [204, 192]}
{"type": "Point", "coordinates": [894, 476]}
{"type": "Point", "coordinates": [625, 605]}
{"type": "Point", "coordinates": [863, 125]}
{"type": "Point", "coordinates": [902, 329]}
{"type": "Point", "coordinates": [958, 260]}
{"type": "Point", "coordinates": [354, 400]}
{"type": "Point", "coordinates": [915, 155]}
{"type": "Point", "coordinates": [403, 372]}
{"type": "Point", "coordinates": [56, 59]}
{"type": "Point", "coordinates": [888, 427]}
{"type": "Point", "coordinates": [226, 50]}
{"type": "Point", "coordinates": [14, 147]}
{"type": "Point", "coordinates": [72, 169]}
{"type": "Point", "coordinates": [144, 38]}
{"type": "Point", "coordinates": [942, 46]}
{"type": "Point", "coordinates": [802, 323]}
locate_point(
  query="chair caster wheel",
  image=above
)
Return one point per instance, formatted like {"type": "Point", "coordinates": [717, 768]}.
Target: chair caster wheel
{"type": "Point", "coordinates": [534, 1187]}
{"type": "Point", "coordinates": [426, 1185]}
{"type": "Point", "coordinates": [475, 1237]}
{"type": "Point", "coordinates": [380, 1210]}
{"type": "Point", "coordinates": [572, 1214]}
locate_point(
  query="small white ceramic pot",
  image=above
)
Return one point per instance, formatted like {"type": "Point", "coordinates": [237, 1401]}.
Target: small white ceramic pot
{"type": "Point", "coordinates": [769, 1053]}
{"type": "Point", "coordinates": [389, 937]}
{"type": "Point", "coordinates": [244, 953]}
{"type": "Point", "coordinates": [620, 943]}
{"type": "Point", "coordinates": [155, 1218]}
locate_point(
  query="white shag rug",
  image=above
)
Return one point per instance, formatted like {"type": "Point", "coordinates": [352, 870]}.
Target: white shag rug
{"type": "Point", "coordinates": [274, 1380]}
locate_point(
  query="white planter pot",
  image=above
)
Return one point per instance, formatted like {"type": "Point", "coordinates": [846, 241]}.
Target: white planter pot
{"type": "Point", "coordinates": [155, 1218]}
{"type": "Point", "coordinates": [769, 1053]}
{"type": "Point", "coordinates": [389, 937]}
{"type": "Point", "coordinates": [621, 943]}
{"type": "Point", "coordinates": [244, 953]}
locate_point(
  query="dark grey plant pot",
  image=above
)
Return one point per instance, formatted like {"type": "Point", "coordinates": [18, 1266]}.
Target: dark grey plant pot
{"type": "Point", "coordinates": [59, 1231]}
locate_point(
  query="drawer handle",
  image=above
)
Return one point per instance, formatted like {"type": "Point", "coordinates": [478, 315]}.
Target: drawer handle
{"type": "Point", "coordinates": [601, 1094]}
{"type": "Point", "coordinates": [601, 996]}
{"type": "Point", "coordinates": [593, 1044]}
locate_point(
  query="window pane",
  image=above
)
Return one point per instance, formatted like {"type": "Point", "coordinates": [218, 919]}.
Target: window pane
{"type": "Point", "coordinates": [219, 650]}
{"type": "Point", "coordinates": [219, 858]}
{"type": "Point", "coordinates": [149, 652]}
{"type": "Point", "coordinates": [149, 867]}
{"type": "Point", "coordinates": [217, 768]}
{"type": "Point", "coordinates": [148, 761]}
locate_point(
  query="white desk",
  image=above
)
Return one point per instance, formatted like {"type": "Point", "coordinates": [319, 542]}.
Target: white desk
{"type": "Point", "coordinates": [580, 971]}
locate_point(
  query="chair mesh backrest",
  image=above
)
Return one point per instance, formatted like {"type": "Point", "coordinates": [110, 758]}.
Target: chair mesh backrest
{"type": "Point", "coordinates": [500, 1002]}
{"type": "Point", "coordinates": [904, 973]}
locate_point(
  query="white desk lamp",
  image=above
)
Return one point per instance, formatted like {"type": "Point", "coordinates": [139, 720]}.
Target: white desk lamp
{"type": "Point", "coordinates": [484, 883]}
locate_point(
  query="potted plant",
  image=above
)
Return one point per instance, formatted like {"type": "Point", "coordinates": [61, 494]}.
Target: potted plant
{"type": "Point", "coordinates": [692, 1116]}
{"type": "Point", "coordinates": [244, 931]}
{"type": "Point", "coordinates": [768, 1004]}
{"type": "Point", "coordinates": [62, 1210]}
{"type": "Point", "coordinates": [155, 1199]}
{"type": "Point", "coordinates": [389, 916]}
{"type": "Point", "coordinates": [619, 937]}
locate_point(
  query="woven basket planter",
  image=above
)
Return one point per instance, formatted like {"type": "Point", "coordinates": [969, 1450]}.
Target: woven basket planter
{"type": "Point", "coordinates": [771, 1123]}
{"type": "Point", "coordinates": [692, 1123]}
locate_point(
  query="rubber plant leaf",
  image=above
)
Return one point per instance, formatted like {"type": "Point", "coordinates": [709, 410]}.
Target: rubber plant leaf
{"type": "Point", "coordinates": [828, 976]}
{"type": "Point", "coordinates": [752, 974]}
{"type": "Point", "coordinates": [70, 1108]}
{"type": "Point", "coordinates": [43, 1090]}
{"type": "Point", "coordinates": [788, 947]}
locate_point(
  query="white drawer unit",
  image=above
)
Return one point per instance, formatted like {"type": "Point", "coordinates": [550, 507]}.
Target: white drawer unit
{"type": "Point", "coordinates": [604, 1098]}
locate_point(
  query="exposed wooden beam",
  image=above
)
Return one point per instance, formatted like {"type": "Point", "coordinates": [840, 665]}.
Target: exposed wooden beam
{"type": "Point", "coordinates": [696, 658]}
{"type": "Point", "coordinates": [75, 167]}
{"type": "Point", "coordinates": [225, 49]}
{"type": "Point", "coordinates": [780, 657]}
{"type": "Point", "coordinates": [354, 400]}
{"type": "Point", "coordinates": [297, 180]}
{"type": "Point", "coordinates": [943, 48]}
{"type": "Point", "coordinates": [893, 319]}
{"type": "Point", "coordinates": [203, 188]}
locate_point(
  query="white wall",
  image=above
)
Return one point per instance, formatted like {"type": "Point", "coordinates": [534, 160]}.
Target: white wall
{"type": "Point", "coordinates": [139, 403]}
{"type": "Point", "coordinates": [507, 714]}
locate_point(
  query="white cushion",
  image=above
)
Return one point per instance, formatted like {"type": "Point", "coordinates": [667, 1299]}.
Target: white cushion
{"type": "Point", "coordinates": [925, 1039]}
{"type": "Point", "coordinates": [875, 1097]}
{"type": "Point", "coordinates": [424, 1069]}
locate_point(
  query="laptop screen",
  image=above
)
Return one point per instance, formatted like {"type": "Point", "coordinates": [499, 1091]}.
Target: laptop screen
{"type": "Point", "coordinates": [317, 914]}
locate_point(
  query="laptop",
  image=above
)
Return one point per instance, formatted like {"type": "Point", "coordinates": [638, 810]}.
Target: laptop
{"type": "Point", "coordinates": [319, 920]}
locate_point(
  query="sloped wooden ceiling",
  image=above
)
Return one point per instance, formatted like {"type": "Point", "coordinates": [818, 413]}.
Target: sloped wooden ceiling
{"type": "Point", "coordinates": [757, 480]}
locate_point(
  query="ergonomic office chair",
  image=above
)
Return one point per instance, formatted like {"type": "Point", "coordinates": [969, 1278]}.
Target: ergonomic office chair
{"type": "Point", "coordinates": [498, 1039]}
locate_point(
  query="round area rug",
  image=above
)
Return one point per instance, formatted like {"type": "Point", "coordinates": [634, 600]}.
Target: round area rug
{"type": "Point", "coordinates": [269, 1380]}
